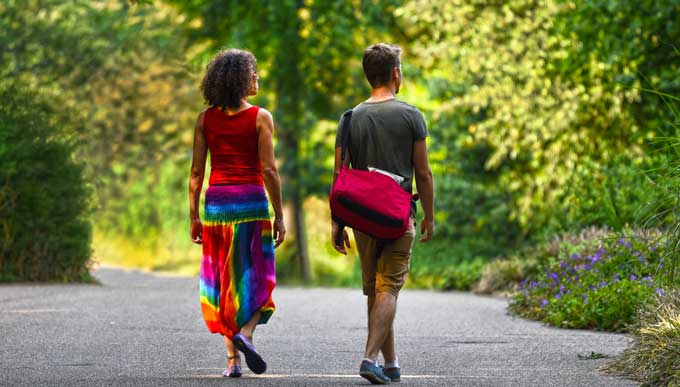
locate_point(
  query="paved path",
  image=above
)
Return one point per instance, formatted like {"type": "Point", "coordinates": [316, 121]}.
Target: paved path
{"type": "Point", "coordinates": [141, 330]}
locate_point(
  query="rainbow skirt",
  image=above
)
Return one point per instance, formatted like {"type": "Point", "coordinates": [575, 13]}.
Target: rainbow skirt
{"type": "Point", "coordinates": [238, 271]}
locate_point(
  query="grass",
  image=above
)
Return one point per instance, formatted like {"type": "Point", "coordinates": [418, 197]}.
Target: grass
{"type": "Point", "coordinates": [653, 359]}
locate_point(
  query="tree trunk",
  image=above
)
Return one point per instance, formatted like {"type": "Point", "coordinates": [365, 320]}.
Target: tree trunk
{"type": "Point", "coordinates": [289, 112]}
{"type": "Point", "coordinates": [301, 237]}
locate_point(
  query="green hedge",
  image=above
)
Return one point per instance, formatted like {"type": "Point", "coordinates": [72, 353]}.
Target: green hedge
{"type": "Point", "coordinates": [44, 229]}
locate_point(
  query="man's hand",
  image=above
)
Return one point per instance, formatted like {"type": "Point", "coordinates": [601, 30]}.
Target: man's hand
{"type": "Point", "coordinates": [339, 240]}
{"type": "Point", "coordinates": [426, 226]}
{"type": "Point", "coordinates": [279, 232]}
{"type": "Point", "coordinates": [196, 231]}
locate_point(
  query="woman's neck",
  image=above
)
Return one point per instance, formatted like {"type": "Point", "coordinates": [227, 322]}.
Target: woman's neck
{"type": "Point", "coordinates": [244, 105]}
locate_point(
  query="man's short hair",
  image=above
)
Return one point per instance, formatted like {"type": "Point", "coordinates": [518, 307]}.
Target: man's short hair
{"type": "Point", "coordinates": [379, 60]}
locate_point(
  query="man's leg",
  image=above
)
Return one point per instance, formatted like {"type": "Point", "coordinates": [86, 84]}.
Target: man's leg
{"type": "Point", "coordinates": [380, 321]}
{"type": "Point", "coordinates": [387, 348]}
{"type": "Point", "coordinates": [391, 270]}
{"type": "Point", "coordinates": [381, 309]}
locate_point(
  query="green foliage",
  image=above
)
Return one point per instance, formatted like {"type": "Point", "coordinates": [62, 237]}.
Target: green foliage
{"type": "Point", "coordinates": [609, 194]}
{"type": "Point", "coordinates": [120, 69]}
{"type": "Point", "coordinates": [537, 110]}
{"type": "Point", "coordinates": [435, 265]}
{"type": "Point", "coordinates": [604, 289]}
{"type": "Point", "coordinates": [552, 91]}
{"type": "Point", "coordinates": [661, 206]}
{"type": "Point", "coordinates": [44, 202]}
{"type": "Point", "coordinates": [653, 358]}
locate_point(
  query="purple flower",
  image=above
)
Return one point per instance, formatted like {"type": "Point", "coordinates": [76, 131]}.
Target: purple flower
{"type": "Point", "coordinates": [576, 256]}
{"type": "Point", "coordinates": [616, 277]}
{"type": "Point", "coordinates": [647, 278]}
{"type": "Point", "coordinates": [558, 296]}
{"type": "Point", "coordinates": [603, 284]}
{"type": "Point", "coordinates": [628, 245]}
{"type": "Point", "coordinates": [592, 287]}
{"type": "Point", "coordinates": [660, 292]}
{"type": "Point", "coordinates": [585, 298]}
{"type": "Point", "coordinates": [633, 277]}
{"type": "Point", "coordinates": [621, 241]}
{"type": "Point", "coordinates": [544, 302]}
{"type": "Point", "coordinates": [554, 277]}
{"type": "Point", "coordinates": [587, 267]}
{"type": "Point", "coordinates": [652, 248]}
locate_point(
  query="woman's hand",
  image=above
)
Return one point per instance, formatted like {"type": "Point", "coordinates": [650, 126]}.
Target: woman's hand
{"type": "Point", "coordinates": [279, 232]}
{"type": "Point", "coordinates": [196, 231]}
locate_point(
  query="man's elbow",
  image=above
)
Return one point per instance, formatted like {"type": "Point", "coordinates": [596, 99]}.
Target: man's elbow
{"type": "Point", "coordinates": [424, 174]}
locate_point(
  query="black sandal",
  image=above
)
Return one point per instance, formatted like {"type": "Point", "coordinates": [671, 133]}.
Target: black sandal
{"type": "Point", "coordinates": [253, 359]}
{"type": "Point", "coordinates": [232, 371]}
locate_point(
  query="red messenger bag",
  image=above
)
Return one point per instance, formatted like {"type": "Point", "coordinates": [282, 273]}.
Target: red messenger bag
{"type": "Point", "coordinates": [369, 201]}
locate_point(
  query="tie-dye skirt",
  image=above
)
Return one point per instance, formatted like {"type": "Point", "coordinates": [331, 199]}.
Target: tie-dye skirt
{"type": "Point", "coordinates": [238, 271]}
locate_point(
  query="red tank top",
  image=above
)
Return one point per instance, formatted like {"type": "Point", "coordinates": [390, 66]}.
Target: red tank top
{"type": "Point", "coordinates": [232, 141]}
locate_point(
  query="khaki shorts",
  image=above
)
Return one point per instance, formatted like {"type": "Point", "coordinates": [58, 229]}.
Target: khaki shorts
{"type": "Point", "coordinates": [388, 273]}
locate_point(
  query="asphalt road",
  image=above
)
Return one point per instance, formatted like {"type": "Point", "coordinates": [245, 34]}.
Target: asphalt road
{"type": "Point", "coordinates": [142, 330]}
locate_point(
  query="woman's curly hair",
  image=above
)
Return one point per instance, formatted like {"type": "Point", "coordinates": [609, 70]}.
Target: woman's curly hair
{"type": "Point", "coordinates": [228, 78]}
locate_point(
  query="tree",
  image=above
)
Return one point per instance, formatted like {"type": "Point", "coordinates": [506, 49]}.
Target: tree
{"type": "Point", "coordinates": [44, 200]}
{"type": "Point", "coordinates": [551, 88]}
{"type": "Point", "coordinates": [121, 70]}
{"type": "Point", "coordinates": [309, 50]}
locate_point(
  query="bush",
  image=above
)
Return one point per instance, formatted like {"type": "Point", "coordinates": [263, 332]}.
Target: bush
{"type": "Point", "coordinates": [43, 199]}
{"type": "Point", "coordinates": [505, 274]}
{"type": "Point", "coordinates": [584, 289]}
{"type": "Point", "coordinates": [500, 275]}
{"type": "Point", "coordinates": [438, 265]}
{"type": "Point", "coordinates": [653, 358]}
{"type": "Point", "coordinates": [601, 194]}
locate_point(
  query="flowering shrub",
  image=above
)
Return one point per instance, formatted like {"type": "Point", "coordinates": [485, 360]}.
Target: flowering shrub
{"type": "Point", "coordinates": [601, 288]}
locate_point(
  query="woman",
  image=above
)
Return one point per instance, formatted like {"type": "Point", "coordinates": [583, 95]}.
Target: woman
{"type": "Point", "coordinates": [238, 268]}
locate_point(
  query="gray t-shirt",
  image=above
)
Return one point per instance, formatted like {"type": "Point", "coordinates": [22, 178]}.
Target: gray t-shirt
{"type": "Point", "coordinates": [382, 136]}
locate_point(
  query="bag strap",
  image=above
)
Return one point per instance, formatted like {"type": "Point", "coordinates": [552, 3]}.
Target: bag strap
{"type": "Point", "coordinates": [344, 132]}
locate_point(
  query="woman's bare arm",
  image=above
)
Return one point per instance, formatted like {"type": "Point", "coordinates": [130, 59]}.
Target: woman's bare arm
{"type": "Point", "coordinates": [270, 173]}
{"type": "Point", "coordinates": [196, 179]}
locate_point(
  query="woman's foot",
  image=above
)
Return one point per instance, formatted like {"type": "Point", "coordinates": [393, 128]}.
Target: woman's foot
{"type": "Point", "coordinates": [253, 359]}
{"type": "Point", "coordinates": [233, 367]}
{"type": "Point", "coordinates": [232, 372]}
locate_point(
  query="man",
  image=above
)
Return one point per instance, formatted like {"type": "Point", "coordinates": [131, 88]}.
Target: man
{"type": "Point", "coordinates": [387, 134]}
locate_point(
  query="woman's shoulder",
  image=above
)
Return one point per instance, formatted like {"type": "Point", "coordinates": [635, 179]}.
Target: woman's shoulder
{"type": "Point", "coordinates": [262, 111]}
